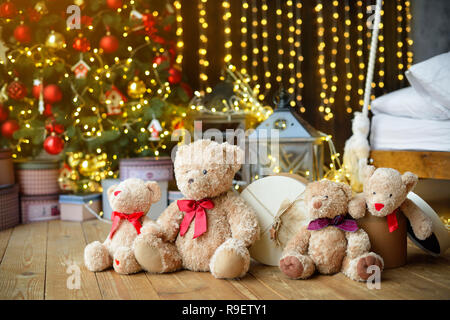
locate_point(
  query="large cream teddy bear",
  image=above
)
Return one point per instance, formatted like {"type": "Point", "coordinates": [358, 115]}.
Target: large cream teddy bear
{"type": "Point", "coordinates": [211, 228]}
{"type": "Point", "coordinates": [385, 192]}
{"type": "Point", "coordinates": [130, 200]}
{"type": "Point", "coordinates": [329, 243]}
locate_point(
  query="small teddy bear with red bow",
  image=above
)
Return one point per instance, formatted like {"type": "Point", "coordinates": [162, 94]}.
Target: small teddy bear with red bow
{"type": "Point", "coordinates": [211, 228]}
{"type": "Point", "coordinates": [130, 200]}
{"type": "Point", "coordinates": [331, 242]}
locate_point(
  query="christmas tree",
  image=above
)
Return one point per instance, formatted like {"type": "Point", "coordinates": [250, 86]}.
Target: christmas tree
{"type": "Point", "coordinates": [99, 80]}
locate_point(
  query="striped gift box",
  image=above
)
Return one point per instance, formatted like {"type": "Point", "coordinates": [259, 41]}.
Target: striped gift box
{"type": "Point", "coordinates": [39, 208]}
{"type": "Point", "coordinates": [9, 206]}
{"type": "Point", "coordinates": [38, 177]}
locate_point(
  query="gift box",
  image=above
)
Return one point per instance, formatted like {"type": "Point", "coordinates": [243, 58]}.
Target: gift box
{"type": "Point", "coordinates": [392, 246]}
{"type": "Point", "coordinates": [9, 206]}
{"type": "Point", "coordinates": [6, 168]}
{"type": "Point", "coordinates": [38, 177]}
{"type": "Point", "coordinates": [158, 169]}
{"type": "Point", "coordinates": [39, 208]}
{"type": "Point", "coordinates": [107, 210]}
{"type": "Point", "coordinates": [74, 206]}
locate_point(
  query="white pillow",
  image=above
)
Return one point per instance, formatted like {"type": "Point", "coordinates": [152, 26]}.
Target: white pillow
{"type": "Point", "coordinates": [431, 79]}
{"type": "Point", "coordinates": [408, 103]}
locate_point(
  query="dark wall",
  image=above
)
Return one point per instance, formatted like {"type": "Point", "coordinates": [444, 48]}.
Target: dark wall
{"type": "Point", "coordinates": [431, 28]}
{"type": "Point", "coordinates": [340, 125]}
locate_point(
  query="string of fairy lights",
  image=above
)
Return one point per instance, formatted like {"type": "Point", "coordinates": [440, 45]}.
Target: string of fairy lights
{"type": "Point", "coordinates": [292, 53]}
{"type": "Point", "coordinates": [299, 56]}
{"type": "Point", "coordinates": [254, 41]}
{"type": "Point", "coordinates": [179, 31]}
{"type": "Point", "coordinates": [203, 45]}
{"type": "Point", "coordinates": [279, 39]}
{"type": "Point", "coordinates": [244, 33]}
{"type": "Point", "coordinates": [265, 50]}
{"type": "Point", "coordinates": [348, 47]}
{"type": "Point", "coordinates": [227, 31]}
{"type": "Point", "coordinates": [321, 60]}
{"type": "Point", "coordinates": [409, 41]}
{"type": "Point", "coordinates": [381, 52]}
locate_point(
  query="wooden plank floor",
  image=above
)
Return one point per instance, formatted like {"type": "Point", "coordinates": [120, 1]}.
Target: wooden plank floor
{"type": "Point", "coordinates": [40, 261]}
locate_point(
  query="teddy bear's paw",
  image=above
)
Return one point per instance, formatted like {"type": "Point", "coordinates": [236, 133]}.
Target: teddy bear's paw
{"type": "Point", "coordinates": [292, 267]}
{"type": "Point", "coordinates": [424, 230]}
{"type": "Point", "coordinates": [297, 266]}
{"type": "Point", "coordinates": [365, 262]}
{"type": "Point", "coordinates": [96, 257]}
{"type": "Point", "coordinates": [125, 262]}
{"type": "Point", "coordinates": [231, 260]}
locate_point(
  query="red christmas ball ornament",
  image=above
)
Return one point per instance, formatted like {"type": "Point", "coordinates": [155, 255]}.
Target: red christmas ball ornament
{"type": "Point", "coordinates": [109, 43]}
{"type": "Point", "coordinates": [53, 144]}
{"type": "Point", "coordinates": [7, 10]}
{"type": "Point", "coordinates": [9, 127]}
{"type": "Point", "coordinates": [81, 44]}
{"type": "Point", "coordinates": [17, 90]}
{"type": "Point", "coordinates": [52, 93]}
{"type": "Point", "coordinates": [4, 113]}
{"type": "Point", "coordinates": [114, 4]}
{"type": "Point", "coordinates": [174, 76]}
{"type": "Point", "coordinates": [22, 33]}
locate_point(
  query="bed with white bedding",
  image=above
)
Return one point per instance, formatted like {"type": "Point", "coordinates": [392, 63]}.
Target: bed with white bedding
{"type": "Point", "coordinates": [400, 133]}
{"type": "Point", "coordinates": [410, 127]}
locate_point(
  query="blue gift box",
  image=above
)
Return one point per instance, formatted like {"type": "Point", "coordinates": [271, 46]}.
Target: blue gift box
{"type": "Point", "coordinates": [80, 207]}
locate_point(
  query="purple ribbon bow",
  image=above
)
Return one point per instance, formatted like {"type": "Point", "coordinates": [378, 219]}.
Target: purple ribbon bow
{"type": "Point", "coordinates": [338, 222]}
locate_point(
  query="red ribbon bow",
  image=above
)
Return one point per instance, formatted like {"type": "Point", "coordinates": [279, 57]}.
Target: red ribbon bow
{"type": "Point", "coordinates": [194, 209]}
{"type": "Point", "coordinates": [392, 220]}
{"type": "Point", "coordinates": [133, 218]}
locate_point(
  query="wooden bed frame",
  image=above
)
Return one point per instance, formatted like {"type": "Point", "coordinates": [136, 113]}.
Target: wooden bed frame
{"type": "Point", "coordinates": [426, 164]}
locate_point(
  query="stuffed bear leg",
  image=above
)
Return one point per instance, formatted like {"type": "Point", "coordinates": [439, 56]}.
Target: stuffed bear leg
{"type": "Point", "coordinates": [297, 266]}
{"type": "Point", "coordinates": [358, 257]}
{"type": "Point", "coordinates": [156, 256]}
{"type": "Point", "coordinates": [96, 257]}
{"type": "Point", "coordinates": [125, 262]}
{"type": "Point", "coordinates": [230, 260]}
{"type": "Point", "coordinates": [356, 268]}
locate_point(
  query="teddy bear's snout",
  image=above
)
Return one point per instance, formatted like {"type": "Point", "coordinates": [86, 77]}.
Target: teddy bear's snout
{"type": "Point", "coordinates": [116, 193]}
{"type": "Point", "coordinates": [190, 181]}
{"type": "Point", "coordinates": [317, 204]}
{"type": "Point", "coordinates": [379, 206]}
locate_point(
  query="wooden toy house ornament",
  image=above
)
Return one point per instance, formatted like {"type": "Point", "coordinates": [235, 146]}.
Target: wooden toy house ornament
{"type": "Point", "coordinates": [80, 69]}
{"type": "Point", "coordinates": [114, 100]}
{"type": "Point", "coordinates": [155, 129]}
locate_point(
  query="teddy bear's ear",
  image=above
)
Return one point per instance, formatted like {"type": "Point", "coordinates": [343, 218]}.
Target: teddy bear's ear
{"type": "Point", "coordinates": [365, 171]}
{"type": "Point", "coordinates": [347, 191]}
{"type": "Point", "coordinates": [111, 190]}
{"type": "Point", "coordinates": [233, 155]}
{"type": "Point", "coordinates": [153, 186]}
{"type": "Point", "coordinates": [409, 179]}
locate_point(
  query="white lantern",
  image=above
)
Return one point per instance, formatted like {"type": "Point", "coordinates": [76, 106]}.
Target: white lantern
{"type": "Point", "coordinates": [285, 143]}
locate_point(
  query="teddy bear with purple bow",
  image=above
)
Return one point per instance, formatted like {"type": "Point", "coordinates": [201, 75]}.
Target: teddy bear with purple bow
{"type": "Point", "coordinates": [330, 242]}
